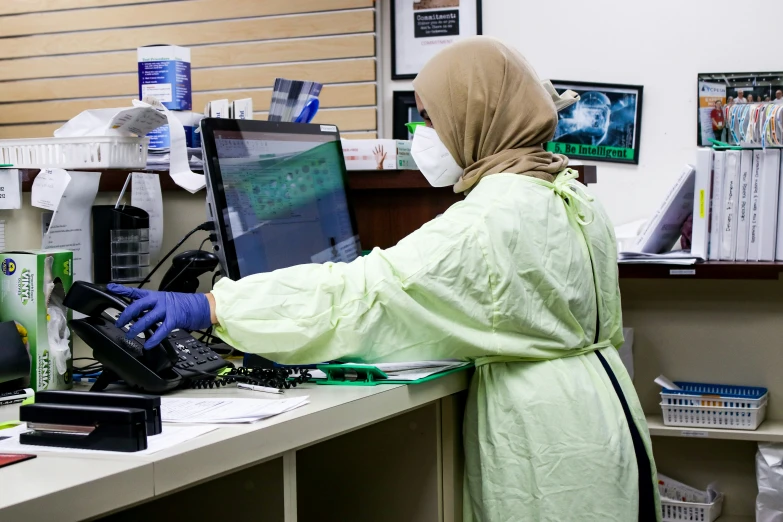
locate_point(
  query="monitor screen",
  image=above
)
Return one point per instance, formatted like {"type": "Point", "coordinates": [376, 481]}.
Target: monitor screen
{"type": "Point", "coordinates": [280, 197]}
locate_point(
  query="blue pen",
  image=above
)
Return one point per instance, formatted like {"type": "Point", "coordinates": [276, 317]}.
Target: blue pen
{"type": "Point", "coordinates": [308, 112]}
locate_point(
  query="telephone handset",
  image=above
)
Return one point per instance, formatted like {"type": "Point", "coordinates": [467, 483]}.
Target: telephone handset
{"type": "Point", "coordinates": [178, 359]}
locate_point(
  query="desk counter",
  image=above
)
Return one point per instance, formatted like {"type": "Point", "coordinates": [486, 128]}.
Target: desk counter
{"type": "Point", "coordinates": [79, 486]}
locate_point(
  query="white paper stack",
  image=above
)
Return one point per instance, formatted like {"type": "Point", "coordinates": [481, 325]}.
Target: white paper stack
{"type": "Point", "coordinates": [225, 411]}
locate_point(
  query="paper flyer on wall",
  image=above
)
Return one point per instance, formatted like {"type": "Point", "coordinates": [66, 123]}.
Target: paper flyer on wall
{"type": "Point", "coordinates": [10, 189]}
{"type": "Point", "coordinates": [712, 98]}
{"type": "Point", "coordinates": [69, 228]}
{"type": "Point", "coordinates": [424, 27]}
{"type": "Point", "coordinates": [146, 195]}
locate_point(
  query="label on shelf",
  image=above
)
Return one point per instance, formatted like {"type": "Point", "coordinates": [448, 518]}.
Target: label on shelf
{"type": "Point", "coordinates": [692, 433]}
{"type": "Point", "coordinates": [682, 271]}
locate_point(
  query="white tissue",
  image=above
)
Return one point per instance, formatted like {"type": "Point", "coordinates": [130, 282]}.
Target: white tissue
{"type": "Point", "coordinates": [57, 321]}
{"type": "Point", "coordinates": [121, 121]}
{"type": "Point", "coordinates": [59, 337]}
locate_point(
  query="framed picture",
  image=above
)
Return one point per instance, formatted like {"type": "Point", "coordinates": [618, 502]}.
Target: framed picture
{"type": "Point", "coordinates": [403, 111]}
{"type": "Point", "coordinates": [716, 91]}
{"type": "Point", "coordinates": [421, 28]}
{"type": "Point", "coordinates": [603, 125]}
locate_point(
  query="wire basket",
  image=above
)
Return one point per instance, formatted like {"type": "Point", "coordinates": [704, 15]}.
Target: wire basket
{"type": "Point", "coordinates": [104, 152]}
{"type": "Point", "coordinates": [676, 511]}
{"type": "Point", "coordinates": [714, 406]}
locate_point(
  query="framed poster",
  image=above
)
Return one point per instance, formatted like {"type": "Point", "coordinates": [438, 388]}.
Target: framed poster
{"type": "Point", "coordinates": [403, 111]}
{"type": "Point", "coordinates": [603, 125]}
{"type": "Point", "coordinates": [718, 92]}
{"type": "Point", "coordinates": [421, 28]}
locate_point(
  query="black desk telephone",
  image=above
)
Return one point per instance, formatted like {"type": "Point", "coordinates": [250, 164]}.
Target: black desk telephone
{"type": "Point", "coordinates": [175, 361]}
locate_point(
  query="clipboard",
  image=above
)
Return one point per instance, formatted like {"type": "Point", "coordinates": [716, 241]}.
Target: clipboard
{"type": "Point", "coordinates": [370, 375]}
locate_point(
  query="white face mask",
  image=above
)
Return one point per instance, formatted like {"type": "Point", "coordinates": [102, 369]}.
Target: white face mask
{"type": "Point", "coordinates": [433, 158]}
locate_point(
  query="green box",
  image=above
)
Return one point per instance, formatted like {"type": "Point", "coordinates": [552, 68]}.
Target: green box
{"type": "Point", "coordinates": [23, 299]}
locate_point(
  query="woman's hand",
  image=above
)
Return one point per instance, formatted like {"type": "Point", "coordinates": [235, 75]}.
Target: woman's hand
{"type": "Point", "coordinates": [380, 156]}
{"type": "Point", "coordinates": [171, 309]}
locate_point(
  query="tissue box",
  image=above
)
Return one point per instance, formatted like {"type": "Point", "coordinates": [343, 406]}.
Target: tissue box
{"type": "Point", "coordinates": [164, 72]}
{"type": "Point", "coordinates": [368, 154]}
{"type": "Point", "coordinates": [23, 298]}
{"type": "Point", "coordinates": [160, 138]}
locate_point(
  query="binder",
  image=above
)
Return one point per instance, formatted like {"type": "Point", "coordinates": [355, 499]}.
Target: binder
{"type": "Point", "coordinates": [716, 204]}
{"type": "Point", "coordinates": [755, 201]}
{"type": "Point", "coordinates": [768, 206]}
{"type": "Point", "coordinates": [728, 232]}
{"type": "Point", "coordinates": [664, 229]}
{"type": "Point", "coordinates": [700, 237]}
{"type": "Point", "coordinates": [370, 375]}
{"type": "Point", "coordinates": [743, 209]}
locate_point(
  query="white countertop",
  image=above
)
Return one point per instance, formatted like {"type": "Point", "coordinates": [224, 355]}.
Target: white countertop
{"type": "Point", "coordinates": [53, 483]}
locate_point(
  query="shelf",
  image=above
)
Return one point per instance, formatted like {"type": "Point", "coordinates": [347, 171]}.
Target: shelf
{"type": "Point", "coordinates": [735, 518]}
{"type": "Point", "coordinates": [708, 270]}
{"type": "Point", "coordinates": [113, 180]}
{"type": "Point", "coordinates": [769, 431]}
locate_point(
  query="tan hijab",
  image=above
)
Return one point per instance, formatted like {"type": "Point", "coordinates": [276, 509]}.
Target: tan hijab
{"type": "Point", "coordinates": [489, 109]}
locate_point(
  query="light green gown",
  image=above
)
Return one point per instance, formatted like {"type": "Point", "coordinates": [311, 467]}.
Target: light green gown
{"type": "Point", "coordinates": [503, 278]}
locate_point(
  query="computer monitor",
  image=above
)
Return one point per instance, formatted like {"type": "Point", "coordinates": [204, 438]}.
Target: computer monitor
{"type": "Point", "coordinates": [277, 195]}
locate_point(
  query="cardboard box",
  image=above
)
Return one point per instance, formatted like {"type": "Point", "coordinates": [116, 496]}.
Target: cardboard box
{"type": "Point", "coordinates": [164, 72]}
{"type": "Point", "coordinates": [29, 279]}
{"type": "Point", "coordinates": [242, 109]}
{"type": "Point", "coordinates": [160, 138]}
{"type": "Point", "coordinates": [217, 109]}
{"type": "Point", "coordinates": [378, 155]}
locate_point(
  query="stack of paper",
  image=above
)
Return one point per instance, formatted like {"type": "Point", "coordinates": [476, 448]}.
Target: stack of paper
{"type": "Point", "coordinates": [170, 437]}
{"type": "Point", "coordinates": [676, 257]}
{"type": "Point", "coordinates": [225, 411]}
{"type": "Point", "coordinates": [162, 160]}
{"type": "Point", "coordinates": [406, 371]}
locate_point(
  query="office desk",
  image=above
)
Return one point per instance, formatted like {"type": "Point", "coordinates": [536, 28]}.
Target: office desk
{"type": "Point", "coordinates": [78, 486]}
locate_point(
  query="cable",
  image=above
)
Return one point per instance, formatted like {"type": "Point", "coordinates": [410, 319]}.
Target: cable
{"type": "Point", "coordinates": [200, 247]}
{"type": "Point", "coordinates": [207, 226]}
{"type": "Point", "coordinates": [215, 276]}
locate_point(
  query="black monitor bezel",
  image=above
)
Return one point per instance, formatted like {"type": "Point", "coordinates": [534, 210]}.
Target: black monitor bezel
{"type": "Point", "coordinates": [212, 169]}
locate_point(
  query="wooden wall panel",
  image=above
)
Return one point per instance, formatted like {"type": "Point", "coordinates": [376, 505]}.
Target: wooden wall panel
{"type": "Point", "coordinates": [245, 77]}
{"type": "Point", "coordinates": [60, 57]}
{"type": "Point", "coordinates": [33, 6]}
{"type": "Point", "coordinates": [245, 53]}
{"type": "Point", "coordinates": [253, 29]}
{"type": "Point", "coordinates": [164, 13]}
{"type": "Point", "coordinates": [332, 96]}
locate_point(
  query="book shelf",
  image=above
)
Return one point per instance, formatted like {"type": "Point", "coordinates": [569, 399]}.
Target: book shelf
{"type": "Point", "coordinates": [708, 270]}
{"type": "Point", "coordinates": [769, 431]}
{"type": "Point", "coordinates": [113, 179]}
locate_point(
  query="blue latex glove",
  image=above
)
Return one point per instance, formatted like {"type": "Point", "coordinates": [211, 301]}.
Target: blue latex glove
{"type": "Point", "coordinates": [172, 309]}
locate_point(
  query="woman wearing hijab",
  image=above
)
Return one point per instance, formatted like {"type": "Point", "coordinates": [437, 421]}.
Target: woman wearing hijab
{"type": "Point", "coordinates": [520, 277]}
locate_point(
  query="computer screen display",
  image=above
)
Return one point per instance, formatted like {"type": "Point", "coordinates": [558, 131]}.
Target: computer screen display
{"type": "Point", "coordinates": [280, 197]}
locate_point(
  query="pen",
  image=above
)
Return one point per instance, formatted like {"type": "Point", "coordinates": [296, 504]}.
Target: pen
{"type": "Point", "coordinates": [254, 387]}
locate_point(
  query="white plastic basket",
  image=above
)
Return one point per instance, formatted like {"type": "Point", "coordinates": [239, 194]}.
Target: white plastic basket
{"type": "Point", "coordinates": [714, 417]}
{"type": "Point", "coordinates": [105, 152]}
{"type": "Point", "coordinates": [676, 511]}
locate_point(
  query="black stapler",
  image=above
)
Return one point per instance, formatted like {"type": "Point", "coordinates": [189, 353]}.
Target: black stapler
{"type": "Point", "coordinates": [149, 403]}
{"type": "Point", "coordinates": [84, 427]}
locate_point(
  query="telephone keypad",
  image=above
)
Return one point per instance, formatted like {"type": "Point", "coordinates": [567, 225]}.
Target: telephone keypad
{"type": "Point", "coordinates": [191, 353]}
